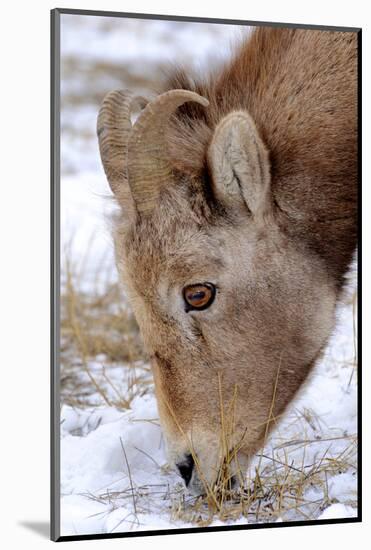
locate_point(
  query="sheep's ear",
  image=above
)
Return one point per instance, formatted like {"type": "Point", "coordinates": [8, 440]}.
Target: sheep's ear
{"type": "Point", "coordinates": [239, 164]}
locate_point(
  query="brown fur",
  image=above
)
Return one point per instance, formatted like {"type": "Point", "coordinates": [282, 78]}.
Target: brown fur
{"type": "Point", "coordinates": [279, 269]}
{"type": "Point", "coordinates": [300, 87]}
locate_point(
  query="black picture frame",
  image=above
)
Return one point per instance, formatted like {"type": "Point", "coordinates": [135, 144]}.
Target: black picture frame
{"type": "Point", "coordinates": [55, 276]}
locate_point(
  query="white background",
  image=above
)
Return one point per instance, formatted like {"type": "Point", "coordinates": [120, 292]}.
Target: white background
{"type": "Point", "coordinates": [24, 218]}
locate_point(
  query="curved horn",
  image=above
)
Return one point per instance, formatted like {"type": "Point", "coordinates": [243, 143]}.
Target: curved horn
{"type": "Point", "coordinates": [113, 129]}
{"type": "Point", "coordinates": [148, 166]}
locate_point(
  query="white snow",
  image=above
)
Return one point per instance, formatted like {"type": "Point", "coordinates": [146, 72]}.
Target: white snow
{"type": "Point", "coordinates": [124, 41]}
{"type": "Point", "coordinates": [337, 511]}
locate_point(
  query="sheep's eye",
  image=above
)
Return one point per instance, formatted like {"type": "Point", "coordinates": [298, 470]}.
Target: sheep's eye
{"type": "Point", "coordinates": [199, 296]}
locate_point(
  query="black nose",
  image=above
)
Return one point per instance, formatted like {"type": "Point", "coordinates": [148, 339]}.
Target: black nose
{"type": "Point", "coordinates": [186, 468]}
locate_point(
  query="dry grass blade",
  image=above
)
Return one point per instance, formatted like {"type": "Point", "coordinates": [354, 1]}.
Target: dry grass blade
{"type": "Point", "coordinates": [95, 324]}
{"type": "Point", "coordinates": [130, 478]}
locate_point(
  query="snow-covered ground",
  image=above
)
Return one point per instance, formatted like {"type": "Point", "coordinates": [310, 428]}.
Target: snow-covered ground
{"type": "Point", "coordinates": [114, 472]}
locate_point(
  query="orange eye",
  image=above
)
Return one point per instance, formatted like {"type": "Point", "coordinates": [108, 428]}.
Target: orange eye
{"type": "Point", "coordinates": [199, 296]}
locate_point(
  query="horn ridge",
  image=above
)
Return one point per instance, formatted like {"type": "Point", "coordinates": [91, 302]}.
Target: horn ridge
{"type": "Point", "coordinates": [113, 129]}
{"type": "Point", "coordinates": [148, 166]}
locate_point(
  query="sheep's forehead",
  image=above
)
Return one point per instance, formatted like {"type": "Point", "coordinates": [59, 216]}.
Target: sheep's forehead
{"type": "Point", "coordinates": [177, 250]}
